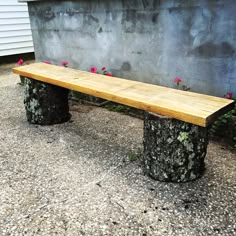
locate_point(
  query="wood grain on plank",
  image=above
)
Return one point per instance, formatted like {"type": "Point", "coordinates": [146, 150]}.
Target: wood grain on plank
{"type": "Point", "coordinates": [195, 108]}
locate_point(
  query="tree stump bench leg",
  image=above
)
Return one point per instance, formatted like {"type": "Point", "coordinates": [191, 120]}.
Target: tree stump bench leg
{"type": "Point", "coordinates": [45, 104]}
{"type": "Point", "coordinates": [174, 150]}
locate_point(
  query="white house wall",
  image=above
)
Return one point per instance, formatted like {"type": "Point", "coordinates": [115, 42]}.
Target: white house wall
{"type": "Point", "coordinates": [15, 32]}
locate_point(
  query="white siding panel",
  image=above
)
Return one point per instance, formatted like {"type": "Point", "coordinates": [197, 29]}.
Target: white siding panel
{"type": "Point", "coordinates": [12, 8]}
{"type": "Point", "coordinates": [16, 45]}
{"type": "Point", "coordinates": [15, 51]}
{"type": "Point", "coordinates": [15, 32]}
{"type": "Point", "coordinates": [7, 15]}
{"type": "Point", "coordinates": [10, 3]}
{"type": "Point", "coordinates": [15, 39]}
{"type": "Point", "coordinates": [11, 21]}
{"type": "Point", "coordinates": [4, 28]}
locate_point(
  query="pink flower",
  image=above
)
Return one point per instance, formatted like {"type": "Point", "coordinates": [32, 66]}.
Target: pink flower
{"type": "Point", "coordinates": [108, 74]}
{"type": "Point", "coordinates": [20, 62]}
{"type": "Point", "coordinates": [64, 63]}
{"type": "Point", "coordinates": [47, 62]}
{"type": "Point", "coordinates": [103, 68]}
{"type": "Point", "coordinates": [177, 80]}
{"type": "Point", "coordinates": [93, 70]}
{"type": "Point", "coordinates": [229, 95]}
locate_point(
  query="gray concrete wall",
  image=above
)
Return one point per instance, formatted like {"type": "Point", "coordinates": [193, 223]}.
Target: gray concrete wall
{"type": "Point", "coordinates": [146, 40]}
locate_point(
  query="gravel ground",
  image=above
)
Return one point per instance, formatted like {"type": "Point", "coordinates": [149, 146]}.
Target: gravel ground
{"type": "Point", "coordinates": [84, 178]}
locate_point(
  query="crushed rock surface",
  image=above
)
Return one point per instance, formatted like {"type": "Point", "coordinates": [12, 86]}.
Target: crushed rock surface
{"type": "Point", "coordinates": [84, 178]}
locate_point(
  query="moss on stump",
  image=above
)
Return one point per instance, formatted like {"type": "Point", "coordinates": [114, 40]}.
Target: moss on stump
{"type": "Point", "coordinates": [45, 104]}
{"type": "Point", "coordinates": [174, 150]}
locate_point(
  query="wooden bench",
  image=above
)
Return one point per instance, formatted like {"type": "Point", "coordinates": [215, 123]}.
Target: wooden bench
{"type": "Point", "coordinates": [175, 122]}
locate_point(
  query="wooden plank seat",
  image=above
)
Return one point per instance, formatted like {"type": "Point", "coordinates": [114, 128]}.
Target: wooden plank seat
{"type": "Point", "coordinates": [175, 143]}
{"type": "Point", "coordinates": [191, 107]}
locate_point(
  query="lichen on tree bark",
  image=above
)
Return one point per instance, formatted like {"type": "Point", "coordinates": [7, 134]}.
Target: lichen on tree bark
{"type": "Point", "coordinates": [45, 104]}
{"type": "Point", "coordinates": [174, 150]}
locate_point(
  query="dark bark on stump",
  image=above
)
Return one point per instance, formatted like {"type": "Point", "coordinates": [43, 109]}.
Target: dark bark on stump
{"type": "Point", "coordinates": [45, 104]}
{"type": "Point", "coordinates": [22, 80]}
{"type": "Point", "coordinates": [174, 150]}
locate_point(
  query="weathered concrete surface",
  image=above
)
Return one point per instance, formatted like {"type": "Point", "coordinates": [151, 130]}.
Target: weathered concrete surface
{"type": "Point", "coordinates": [77, 179]}
{"type": "Point", "coordinates": [153, 41]}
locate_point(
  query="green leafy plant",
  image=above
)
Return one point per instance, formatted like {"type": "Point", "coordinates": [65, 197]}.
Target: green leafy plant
{"type": "Point", "coordinates": [225, 125]}
{"type": "Point", "coordinates": [116, 108]}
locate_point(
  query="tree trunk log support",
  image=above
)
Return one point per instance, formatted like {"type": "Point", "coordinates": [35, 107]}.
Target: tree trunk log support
{"type": "Point", "coordinates": [45, 104]}
{"type": "Point", "coordinates": [174, 150]}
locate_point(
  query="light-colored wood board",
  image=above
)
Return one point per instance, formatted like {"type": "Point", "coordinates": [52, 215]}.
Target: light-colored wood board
{"type": "Point", "coordinates": [195, 108]}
